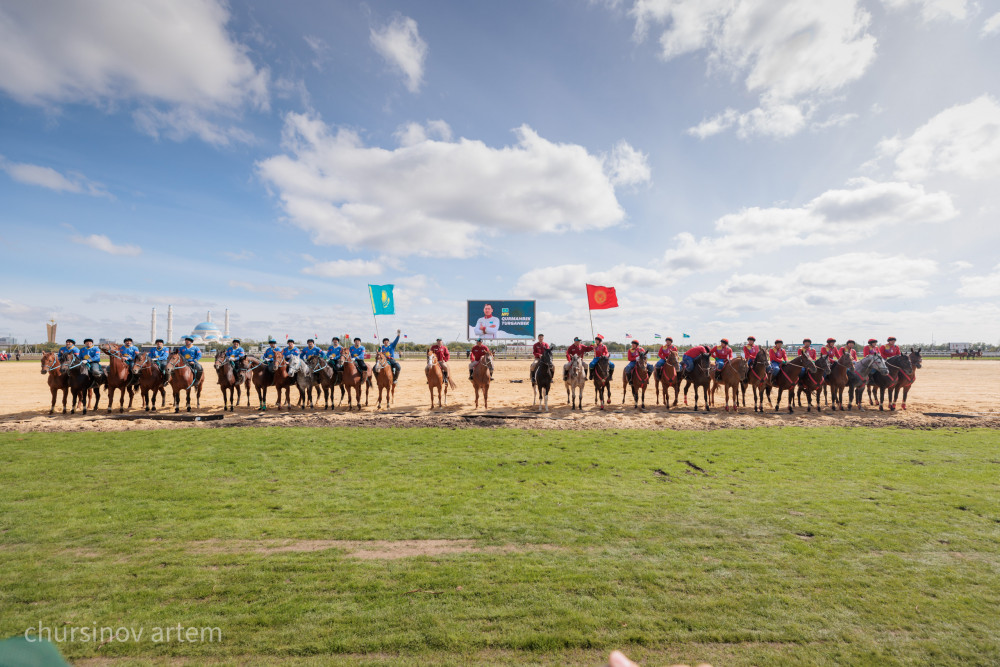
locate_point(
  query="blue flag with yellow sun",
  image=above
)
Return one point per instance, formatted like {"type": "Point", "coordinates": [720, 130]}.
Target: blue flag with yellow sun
{"type": "Point", "coordinates": [382, 301]}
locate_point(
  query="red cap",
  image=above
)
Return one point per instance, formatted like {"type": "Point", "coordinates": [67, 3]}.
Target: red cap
{"type": "Point", "coordinates": [725, 340]}
{"type": "Point", "coordinates": [831, 340]}
{"type": "Point", "coordinates": [872, 340]}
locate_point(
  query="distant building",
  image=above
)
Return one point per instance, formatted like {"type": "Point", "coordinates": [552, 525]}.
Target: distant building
{"type": "Point", "coordinates": [209, 332]}
{"type": "Point", "coordinates": [956, 347]}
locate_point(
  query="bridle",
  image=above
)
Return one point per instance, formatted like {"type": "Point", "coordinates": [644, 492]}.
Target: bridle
{"type": "Point", "coordinates": [54, 366]}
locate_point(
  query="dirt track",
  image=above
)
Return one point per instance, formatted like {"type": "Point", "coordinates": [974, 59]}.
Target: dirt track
{"type": "Point", "coordinates": [942, 386]}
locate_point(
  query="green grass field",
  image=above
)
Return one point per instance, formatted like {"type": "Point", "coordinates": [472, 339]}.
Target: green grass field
{"type": "Point", "coordinates": [770, 546]}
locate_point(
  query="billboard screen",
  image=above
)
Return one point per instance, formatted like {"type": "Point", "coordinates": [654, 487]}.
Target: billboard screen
{"type": "Point", "coordinates": [499, 319]}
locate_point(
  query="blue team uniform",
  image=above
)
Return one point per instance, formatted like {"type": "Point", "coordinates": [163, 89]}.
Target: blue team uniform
{"type": "Point", "coordinates": [159, 357]}
{"type": "Point", "coordinates": [128, 352]}
{"type": "Point", "coordinates": [237, 352]}
{"type": "Point", "coordinates": [74, 350]}
{"type": "Point", "coordinates": [390, 352]}
{"type": "Point", "coordinates": [191, 355]}
{"type": "Point", "coordinates": [358, 356]}
{"type": "Point", "coordinates": [290, 352]}
{"type": "Point", "coordinates": [308, 353]}
{"type": "Point", "coordinates": [92, 357]}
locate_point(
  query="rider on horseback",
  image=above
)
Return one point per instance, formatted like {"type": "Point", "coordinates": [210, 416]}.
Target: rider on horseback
{"type": "Point", "coordinates": [389, 351]}
{"type": "Point", "coordinates": [722, 354]}
{"type": "Point", "coordinates": [889, 350]}
{"type": "Point", "coordinates": [440, 350]}
{"type": "Point", "coordinates": [128, 351]}
{"type": "Point", "coordinates": [69, 348]}
{"type": "Point", "coordinates": [536, 351]}
{"type": "Point", "coordinates": [750, 350]}
{"type": "Point", "coordinates": [478, 352]}
{"type": "Point", "coordinates": [191, 354]}
{"type": "Point", "coordinates": [777, 357]}
{"type": "Point", "coordinates": [357, 352]}
{"type": "Point", "coordinates": [831, 352]}
{"type": "Point", "coordinates": [91, 356]}
{"type": "Point", "coordinates": [664, 353]}
{"type": "Point", "coordinates": [633, 356]}
{"type": "Point", "coordinates": [870, 348]}
{"type": "Point", "coordinates": [310, 351]}
{"type": "Point", "coordinates": [158, 355]}
{"type": "Point", "coordinates": [601, 350]}
{"type": "Point", "coordinates": [234, 353]}
{"type": "Point", "coordinates": [577, 348]}
{"type": "Point", "coordinates": [807, 349]}
{"type": "Point", "coordinates": [692, 354]}
{"type": "Point", "coordinates": [849, 349]}
{"type": "Point", "coordinates": [270, 354]}
{"type": "Point", "coordinates": [333, 355]}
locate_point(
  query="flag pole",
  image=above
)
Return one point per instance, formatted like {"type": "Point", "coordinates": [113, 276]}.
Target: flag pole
{"type": "Point", "coordinates": [591, 313]}
{"type": "Point", "coordinates": [371, 298]}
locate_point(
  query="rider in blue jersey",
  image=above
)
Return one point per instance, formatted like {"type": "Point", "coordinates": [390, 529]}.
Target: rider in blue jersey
{"type": "Point", "coordinates": [389, 350]}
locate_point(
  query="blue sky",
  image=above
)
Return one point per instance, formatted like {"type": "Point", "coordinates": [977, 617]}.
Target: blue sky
{"type": "Point", "coordinates": [787, 169]}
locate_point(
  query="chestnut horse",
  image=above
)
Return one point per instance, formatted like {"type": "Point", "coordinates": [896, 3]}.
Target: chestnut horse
{"type": "Point", "coordinates": [788, 378]}
{"type": "Point", "coordinates": [230, 381]}
{"type": "Point", "coordinates": [79, 381]}
{"type": "Point", "coordinates": [435, 379]}
{"type": "Point", "coordinates": [181, 378]}
{"type": "Point", "coordinates": [57, 379]}
{"type": "Point", "coordinates": [904, 383]}
{"type": "Point", "coordinates": [602, 382]}
{"type": "Point", "coordinates": [638, 379]}
{"type": "Point", "coordinates": [481, 379]}
{"type": "Point", "coordinates": [700, 376]}
{"type": "Point", "coordinates": [814, 382]}
{"type": "Point", "coordinates": [150, 380]}
{"type": "Point", "coordinates": [757, 378]}
{"type": "Point", "coordinates": [262, 379]}
{"type": "Point", "coordinates": [734, 372]}
{"type": "Point", "coordinates": [352, 379]}
{"type": "Point", "coordinates": [668, 377]}
{"type": "Point", "coordinates": [383, 378]}
{"type": "Point", "coordinates": [119, 378]}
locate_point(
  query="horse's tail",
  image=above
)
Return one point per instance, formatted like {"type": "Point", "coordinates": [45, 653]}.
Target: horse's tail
{"type": "Point", "coordinates": [451, 382]}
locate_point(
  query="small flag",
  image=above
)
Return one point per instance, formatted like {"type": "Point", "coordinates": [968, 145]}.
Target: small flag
{"type": "Point", "coordinates": [405, 336]}
{"type": "Point", "coordinates": [685, 335]}
{"type": "Point", "coordinates": [382, 301]}
{"type": "Point", "coordinates": [628, 335]}
{"type": "Point", "coordinates": [656, 336]}
{"type": "Point", "coordinates": [599, 298]}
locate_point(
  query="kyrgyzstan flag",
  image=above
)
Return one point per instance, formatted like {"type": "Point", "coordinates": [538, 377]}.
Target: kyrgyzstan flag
{"type": "Point", "coordinates": [599, 297]}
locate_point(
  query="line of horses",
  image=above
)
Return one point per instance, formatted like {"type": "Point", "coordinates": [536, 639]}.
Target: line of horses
{"type": "Point", "coordinates": [883, 378]}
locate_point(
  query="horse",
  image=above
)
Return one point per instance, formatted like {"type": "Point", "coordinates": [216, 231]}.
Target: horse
{"type": "Point", "coordinates": [436, 379]}
{"type": "Point", "coordinates": [481, 379]}
{"type": "Point", "coordinates": [305, 378]}
{"type": "Point", "coordinates": [119, 378]}
{"type": "Point", "coordinates": [285, 372]}
{"type": "Point", "coordinates": [897, 367]}
{"type": "Point", "coordinates": [262, 379]}
{"type": "Point", "coordinates": [669, 377]}
{"type": "Point", "coordinates": [813, 382]}
{"type": "Point", "coordinates": [81, 384]}
{"type": "Point", "coordinates": [353, 379]}
{"type": "Point", "coordinates": [733, 374]}
{"type": "Point", "coordinates": [839, 378]}
{"type": "Point", "coordinates": [230, 381]}
{"type": "Point", "coordinates": [151, 380]}
{"type": "Point", "coordinates": [756, 377]}
{"type": "Point", "coordinates": [860, 378]}
{"type": "Point", "coordinates": [326, 381]}
{"type": "Point", "coordinates": [57, 379]}
{"type": "Point", "coordinates": [699, 376]}
{"type": "Point", "coordinates": [541, 381]}
{"type": "Point", "coordinates": [602, 383]}
{"type": "Point", "coordinates": [787, 381]}
{"type": "Point", "coordinates": [181, 378]}
{"type": "Point", "coordinates": [638, 379]}
{"type": "Point", "coordinates": [383, 378]}
{"type": "Point", "coordinates": [905, 381]}
{"type": "Point", "coordinates": [576, 380]}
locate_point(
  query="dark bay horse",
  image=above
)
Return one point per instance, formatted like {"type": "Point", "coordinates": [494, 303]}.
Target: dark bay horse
{"type": "Point", "coordinates": [181, 378]}
{"type": "Point", "coordinates": [905, 380]}
{"type": "Point", "coordinates": [602, 382]}
{"type": "Point", "coordinates": [638, 380]}
{"type": "Point", "coordinates": [813, 383]}
{"type": "Point", "coordinates": [898, 367]}
{"type": "Point", "coordinates": [230, 381]}
{"type": "Point", "coordinates": [668, 376]}
{"type": "Point", "coordinates": [541, 381]}
{"type": "Point", "coordinates": [262, 379]}
{"type": "Point", "coordinates": [150, 380]}
{"type": "Point", "coordinates": [700, 376]}
{"type": "Point", "coordinates": [326, 383]}
{"type": "Point", "coordinates": [118, 377]}
{"type": "Point", "coordinates": [733, 374]}
{"type": "Point", "coordinates": [57, 379]}
{"type": "Point", "coordinates": [788, 377]}
{"type": "Point", "coordinates": [756, 378]}
{"type": "Point", "coordinates": [81, 384]}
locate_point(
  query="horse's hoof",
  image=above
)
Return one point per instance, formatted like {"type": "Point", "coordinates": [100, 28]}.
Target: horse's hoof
{"type": "Point", "coordinates": [904, 406]}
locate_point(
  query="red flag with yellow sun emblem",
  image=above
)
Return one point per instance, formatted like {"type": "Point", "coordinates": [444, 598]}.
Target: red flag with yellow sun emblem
{"type": "Point", "coordinates": [599, 298]}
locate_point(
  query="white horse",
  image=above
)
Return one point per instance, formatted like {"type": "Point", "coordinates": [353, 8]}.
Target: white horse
{"type": "Point", "coordinates": [576, 379]}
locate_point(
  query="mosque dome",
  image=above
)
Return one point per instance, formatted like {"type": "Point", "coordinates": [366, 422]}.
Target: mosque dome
{"type": "Point", "coordinates": [206, 331]}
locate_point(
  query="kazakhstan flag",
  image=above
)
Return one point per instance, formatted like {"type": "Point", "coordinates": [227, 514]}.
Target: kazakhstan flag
{"type": "Point", "coordinates": [382, 301]}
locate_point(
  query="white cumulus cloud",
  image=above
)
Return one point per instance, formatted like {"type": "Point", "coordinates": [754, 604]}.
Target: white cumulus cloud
{"type": "Point", "coordinates": [567, 281]}
{"type": "Point", "coordinates": [47, 177]}
{"type": "Point", "coordinates": [400, 44]}
{"type": "Point", "coordinates": [436, 197]}
{"type": "Point", "coordinates": [933, 10]}
{"type": "Point", "coordinates": [992, 25]}
{"type": "Point", "coordinates": [104, 244]}
{"type": "Point", "coordinates": [981, 286]}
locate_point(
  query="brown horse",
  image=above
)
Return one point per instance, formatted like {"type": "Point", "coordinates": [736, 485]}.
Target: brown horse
{"type": "Point", "coordinates": [262, 379]}
{"type": "Point", "coordinates": [119, 378]}
{"type": "Point", "coordinates": [181, 378]}
{"type": "Point", "coordinates": [481, 379]}
{"type": "Point", "coordinates": [602, 381]}
{"type": "Point", "coordinates": [352, 379]}
{"type": "Point", "coordinates": [150, 380]}
{"type": "Point", "coordinates": [78, 379]}
{"type": "Point", "coordinates": [813, 383]}
{"type": "Point", "coordinates": [638, 380]}
{"type": "Point", "coordinates": [733, 374]}
{"type": "Point", "coordinates": [757, 378]}
{"type": "Point", "coordinates": [326, 382]}
{"type": "Point", "coordinates": [436, 379]}
{"type": "Point", "coordinates": [283, 379]}
{"type": "Point", "coordinates": [789, 379]}
{"type": "Point", "coordinates": [905, 380]}
{"type": "Point", "coordinates": [230, 381]}
{"type": "Point", "coordinates": [700, 376]}
{"type": "Point", "coordinates": [383, 378]}
{"type": "Point", "coordinates": [839, 379]}
{"type": "Point", "coordinates": [58, 380]}
{"type": "Point", "coordinates": [668, 376]}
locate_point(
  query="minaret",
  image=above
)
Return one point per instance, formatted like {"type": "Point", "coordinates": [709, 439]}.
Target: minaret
{"type": "Point", "coordinates": [225, 333]}
{"type": "Point", "coordinates": [152, 327]}
{"type": "Point", "coordinates": [208, 316]}
{"type": "Point", "coordinates": [170, 325]}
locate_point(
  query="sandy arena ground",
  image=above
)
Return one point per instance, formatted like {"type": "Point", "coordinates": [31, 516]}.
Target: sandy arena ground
{"type": "Point", "coordinates": [970, 388]}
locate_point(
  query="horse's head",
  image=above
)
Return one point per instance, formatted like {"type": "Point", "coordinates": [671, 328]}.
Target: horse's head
{"type": "Point", "coordinates": [49, 362]}
{"type": "Point", "coordinates": [823, 365]}
{"type": "Point", "coordinates": [878, 363]}
{"type": "Point", "coordinates": [431, 359]}
{"type": "Point", "coordinates": [902, 361]}
{"type": "Point", "coordinates": [915, 359]}
{"type": "Point", "coordinates": [807, 362]}
{"type": "Point", "coordinates": [760, 358]}
{"type": "Point", "coordinates": [547, 355]}
{"type": "Point", "coordinates": [220, 359]}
